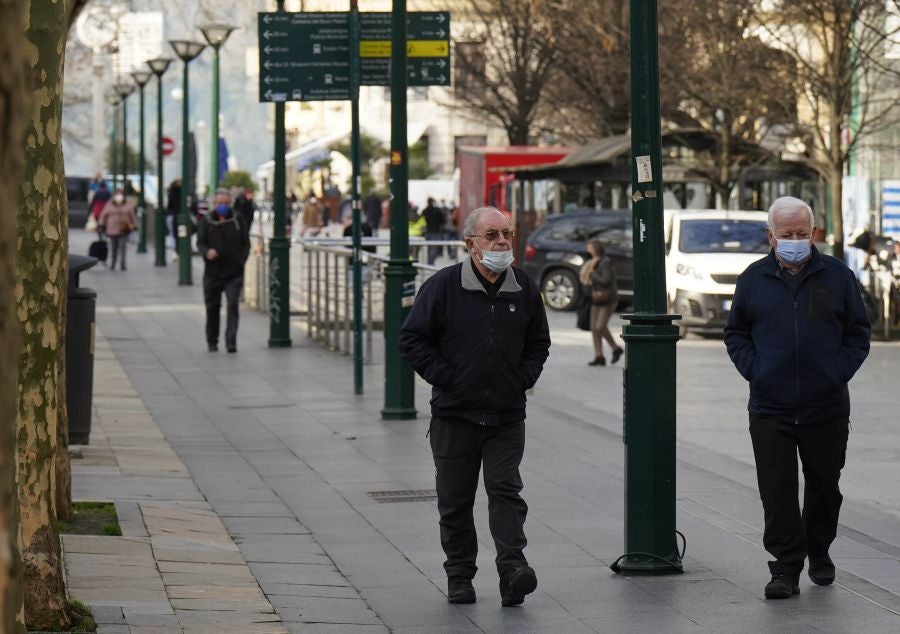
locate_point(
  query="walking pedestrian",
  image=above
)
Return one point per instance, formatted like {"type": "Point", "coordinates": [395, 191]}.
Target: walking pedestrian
{"type": "Point", "coordinates": [478, 334]}
{"type": "Point", "coordinates": [224, 243]}
{"type": "Point", "coordinates": [372, 210]}
{"type": "Point", "coordinates": [435, 219]}
{"type": "Point", "coordinates": [798, 332]}
{"type": "Point", "coordinates": [117, 220]}
{"type": "Point", "coordinates": [98, 202]}
{"type": "Point", "coordinates": [598, 281]}
{"type": "Point", "coordinates": [246, 207]}
{"type": "Point", "coordinates": [311, 217]}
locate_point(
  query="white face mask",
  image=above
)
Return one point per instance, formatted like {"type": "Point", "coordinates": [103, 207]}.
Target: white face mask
{"type": "Point", "coordinates": [497, 261]}
{"type": "Point", "coordinates": [118, 199]}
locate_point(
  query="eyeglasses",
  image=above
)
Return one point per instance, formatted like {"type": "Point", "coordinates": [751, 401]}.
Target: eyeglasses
{"type": "Point", "coordinates": [493, 235]}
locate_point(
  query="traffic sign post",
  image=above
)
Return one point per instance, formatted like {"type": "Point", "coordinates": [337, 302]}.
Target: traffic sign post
{"type": "Point", "coordinates": [306, 56]}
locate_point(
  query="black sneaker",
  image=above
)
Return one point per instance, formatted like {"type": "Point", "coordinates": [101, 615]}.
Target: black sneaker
{"type": "Point", "coordinates": [515, 584]}
{"type": "Point", "coordinates": [783, 586]}
{"type": "Point", "coordinates": [212, 347]}
{"type": "Point", "coordinates": [460, 590]}
{"type": "Point", "coordinates": [821, 570]}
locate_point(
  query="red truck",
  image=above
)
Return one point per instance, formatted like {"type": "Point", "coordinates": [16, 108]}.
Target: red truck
{"type": "Point", "coordinates": [482, 180]}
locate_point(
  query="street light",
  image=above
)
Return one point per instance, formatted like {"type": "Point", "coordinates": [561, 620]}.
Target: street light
{"type": "Point", "coordinates": [124, 90]}
{"type": "Point", "coordinates": [187, 51]}
{"type": "Point", "coordinates": [159, 66]}
{"type": "Point", "coordinates": [215, 34]}
{"type": "Point", "coordinates": [141, 77]}
{"type": "Point", "coordinates": [113, 100]}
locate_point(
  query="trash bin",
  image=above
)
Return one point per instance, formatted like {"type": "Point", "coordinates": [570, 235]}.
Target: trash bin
{"type": "Point", "coordinates": [80, 331]}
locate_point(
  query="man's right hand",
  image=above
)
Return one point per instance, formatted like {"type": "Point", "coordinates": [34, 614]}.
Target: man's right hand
{"type": "Point", "coordinates": [212, 254]}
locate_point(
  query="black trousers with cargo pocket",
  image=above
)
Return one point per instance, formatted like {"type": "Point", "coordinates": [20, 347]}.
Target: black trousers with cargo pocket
{"type": "Point", "coordinates": [460, 449]}
{"type": "Point", "coordinates": [791, 533]}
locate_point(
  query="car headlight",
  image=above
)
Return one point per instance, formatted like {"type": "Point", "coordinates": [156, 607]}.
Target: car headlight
{"type": "Point", "coordinates": [688, 271]}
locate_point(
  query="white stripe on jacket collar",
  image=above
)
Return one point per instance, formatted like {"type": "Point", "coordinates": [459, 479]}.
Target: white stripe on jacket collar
{"type": "Point", "coordinates": [472, 283]}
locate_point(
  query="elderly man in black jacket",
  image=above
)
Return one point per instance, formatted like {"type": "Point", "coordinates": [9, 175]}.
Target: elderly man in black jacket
{"type": "Point", "coordinates": [224, 243]}
{"type": "Point", "coordinates": [478, 334]}
{"type": "Point", "coordinates": [798, 332]}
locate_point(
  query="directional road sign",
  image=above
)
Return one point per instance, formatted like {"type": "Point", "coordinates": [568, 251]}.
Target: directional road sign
{"type": "Point", "coordinates": [304, 56]}
{"type": "Point", "coordinates": [427, 49]}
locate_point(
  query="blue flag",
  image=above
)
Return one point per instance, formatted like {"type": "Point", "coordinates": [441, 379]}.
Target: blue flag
{"type": "Point", "coordinates": [223, 157]}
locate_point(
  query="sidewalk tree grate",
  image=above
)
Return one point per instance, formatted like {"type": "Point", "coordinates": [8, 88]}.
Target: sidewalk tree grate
{"type": "Point", "coordinates": [410, 495]}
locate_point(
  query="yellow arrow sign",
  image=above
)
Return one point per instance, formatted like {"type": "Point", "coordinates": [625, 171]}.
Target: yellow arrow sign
{"type": "Point", "coordinates": [428, 48]}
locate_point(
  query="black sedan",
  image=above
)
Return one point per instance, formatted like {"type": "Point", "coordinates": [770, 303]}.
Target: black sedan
{"type": "Point", "coordinates": [556, 250]}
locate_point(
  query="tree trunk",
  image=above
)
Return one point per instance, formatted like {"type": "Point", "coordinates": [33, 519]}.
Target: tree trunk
{"type": "Point", "coordinates": [14, 107]}
{"type": "Point", "coordinates": [42, 264]}
{"type": "Point", "coordinates": [63, 464]}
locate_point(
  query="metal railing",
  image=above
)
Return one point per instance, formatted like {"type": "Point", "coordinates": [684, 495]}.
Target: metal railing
{"type": "Point", "coordinates": [322, 283]}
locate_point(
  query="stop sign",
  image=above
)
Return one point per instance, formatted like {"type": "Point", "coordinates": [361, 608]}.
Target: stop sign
{"type": "Point", "coordinates": [168, 145]}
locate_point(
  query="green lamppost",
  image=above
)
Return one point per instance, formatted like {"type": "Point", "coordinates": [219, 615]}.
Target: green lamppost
{"type": "Point", "coordinates": [215, 35]}
{"type": "Point", "coordinates": [113, 100]}
{"type": "Point", "coordinates": [141, 77]}
{"type": "Point", "coordinates": [649, 435]}
{"type": "Point", "coordinates": [187, 51]}
{"type": "Point", "coordinates": [124, 89]}
{"type": "Point", "coordinates": [159, 66]}
{"type": "Point", "coordinates": [400, 284]}
{"type": "Point", "coordinates": [279, 246]}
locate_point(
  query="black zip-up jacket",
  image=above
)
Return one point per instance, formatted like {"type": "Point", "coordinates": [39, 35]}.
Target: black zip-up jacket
{"type": "Point", "coordinates": [798, 350]}
{"type": "Point", "coordinates": [229, 237]}
{"type": "Point", "coordinates": [479, 355]}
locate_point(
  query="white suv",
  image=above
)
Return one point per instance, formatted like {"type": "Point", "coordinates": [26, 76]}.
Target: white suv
{"type": "Point", "coordinates": [705, 252]}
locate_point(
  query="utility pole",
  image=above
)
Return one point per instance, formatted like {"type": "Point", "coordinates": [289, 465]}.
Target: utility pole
{"type": "Point", "coordinates": [650, 362]}
{"type": "Point", "coordinates": [399, 275]}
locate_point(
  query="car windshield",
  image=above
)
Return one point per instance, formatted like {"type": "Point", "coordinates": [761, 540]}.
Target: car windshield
{"type": "Point", "coordinates": [723, 236]}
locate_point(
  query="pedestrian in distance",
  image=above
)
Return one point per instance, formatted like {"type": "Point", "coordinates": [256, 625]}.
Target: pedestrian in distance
{"type": "Point", "coordinates": [311, 217]}
{"type": "Point", "coordinates": [598, 280]}
{"type": "Point", "coordinates": [246, 207]}
{"type": "Point", "coordinates": [435, 220]}
{"type": "Point", "coordinates": [372, 210]}
{"type": "Point", "coordinates": [116, 221]}
{"type": "Point", "coordinates": [98, 202]}
{"type": "Point", "coordinates": [224, 243]}
{"type": "Point", "coordinates": [798, 332]}
{"type": "Point", "coordinates": [478, 334]}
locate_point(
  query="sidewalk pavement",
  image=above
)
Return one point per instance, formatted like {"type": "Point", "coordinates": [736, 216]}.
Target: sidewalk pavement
{"type": "Point", "coordinates": [272, 446]}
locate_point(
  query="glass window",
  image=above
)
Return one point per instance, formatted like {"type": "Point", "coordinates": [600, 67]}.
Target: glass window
{"type": "Point", "coordinates": [723, 236]}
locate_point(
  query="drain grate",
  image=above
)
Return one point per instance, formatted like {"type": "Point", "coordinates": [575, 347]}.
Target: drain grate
{"type": "Point", "coordinates": [410, 495]}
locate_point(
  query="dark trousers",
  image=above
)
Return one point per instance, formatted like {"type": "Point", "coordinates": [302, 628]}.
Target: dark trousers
{"type": "Point", "coordinates": [459, 449]}
{"type": "Point", "coordinates": [119, 244]}
{"type": "Point", "coordinates": [791, 534]}
{"type": "Point", "coordinates": [213, 287]}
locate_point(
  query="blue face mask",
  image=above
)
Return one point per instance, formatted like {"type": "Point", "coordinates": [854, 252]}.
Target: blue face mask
{"type": "Point", "coordinates": [222, 209]}
{"type": "Point", "coordinates": [792, 251]}
{"type": "Point", "coordinates": [497, 261]}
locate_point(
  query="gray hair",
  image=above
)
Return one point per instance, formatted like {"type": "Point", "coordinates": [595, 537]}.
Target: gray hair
{"type": "Point", "coordinates": [473, 218]}
{"type": "Point", "coordinates": [221, 191]}
{"type": "Point", "coordinates": [789, 203]}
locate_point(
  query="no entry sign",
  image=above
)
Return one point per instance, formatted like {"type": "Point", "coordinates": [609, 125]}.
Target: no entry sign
{"type": "Point", "coordinates": [168, 145]}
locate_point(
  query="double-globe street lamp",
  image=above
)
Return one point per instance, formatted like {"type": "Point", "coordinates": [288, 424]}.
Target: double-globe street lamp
{"type": "Point", "coordinates": [159, 66]}
{"type": "Point", "coordinates": [215, 35]}
{"type": "Point", "coordinates": [124, 89]}
{"type": "Point", "coordinates": [187, 51]}
{"type": "Point", "coordinates": [141, 77]}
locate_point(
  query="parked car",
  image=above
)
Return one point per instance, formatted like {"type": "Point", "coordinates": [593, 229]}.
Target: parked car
{"type": "Point", "coordinates": [705, 252]}
{"type": "Point", "coordinates": [78, 193]}
{"type": "Point", "coordinates": [556, 250]}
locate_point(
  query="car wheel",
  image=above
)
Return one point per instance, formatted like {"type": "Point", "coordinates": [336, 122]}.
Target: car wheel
{"type": "Point", "coordinates": [560, 289]}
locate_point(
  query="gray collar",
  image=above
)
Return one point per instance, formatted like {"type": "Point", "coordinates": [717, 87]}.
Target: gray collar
{"type": "Point", "coordinates": [472, 283]}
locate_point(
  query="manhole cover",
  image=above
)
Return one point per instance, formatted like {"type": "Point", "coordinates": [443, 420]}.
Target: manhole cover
{"type": "Point", "coordinates": [410, 495]}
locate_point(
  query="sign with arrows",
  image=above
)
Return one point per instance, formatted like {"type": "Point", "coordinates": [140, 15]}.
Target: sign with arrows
{"type": "Point", "coordinates": [306, 56]}
{"type": "Point", "coordinates": [427, 48]}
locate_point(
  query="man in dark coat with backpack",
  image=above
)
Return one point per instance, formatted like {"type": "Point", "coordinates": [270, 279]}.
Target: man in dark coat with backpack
{"type": "Point", "coordinates": [224, 242]}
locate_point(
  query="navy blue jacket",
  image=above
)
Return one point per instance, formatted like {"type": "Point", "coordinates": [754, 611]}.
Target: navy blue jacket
{"type": "Point", "coordinates": [479, 355]}
{"type": "Point", "coordinates": [798, 351]}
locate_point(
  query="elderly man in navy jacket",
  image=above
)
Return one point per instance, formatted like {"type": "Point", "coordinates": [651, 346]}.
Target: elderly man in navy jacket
{"type": "Point", "coordinates": [798, 332]}
{"type": "Point", "coordinates": [478, 334]}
